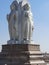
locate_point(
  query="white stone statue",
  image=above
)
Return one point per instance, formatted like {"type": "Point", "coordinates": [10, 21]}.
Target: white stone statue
{"type": "Point", "coordinates": [13, 21]}
{"type": "Point", "coordinates": [20, 22]}
{"type": "Point", "coordinates": [27, 23]}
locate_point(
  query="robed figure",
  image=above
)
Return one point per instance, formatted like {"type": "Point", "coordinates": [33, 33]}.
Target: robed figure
{"type": "Point", "coordinates": [20, 22]}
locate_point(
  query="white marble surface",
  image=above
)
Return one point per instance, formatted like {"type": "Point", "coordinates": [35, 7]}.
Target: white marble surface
{"type": "Point", "coordinates": [20, 22]}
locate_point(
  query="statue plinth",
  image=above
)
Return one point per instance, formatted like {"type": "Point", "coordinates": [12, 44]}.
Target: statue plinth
{"type": "Point", "coordinates": [20, 47]}
{"type": "Point", "coordinates": [21, 54]}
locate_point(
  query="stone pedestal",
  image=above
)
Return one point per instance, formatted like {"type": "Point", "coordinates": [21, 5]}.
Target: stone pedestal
{"type": "Point", "coordinates": [21, 54]}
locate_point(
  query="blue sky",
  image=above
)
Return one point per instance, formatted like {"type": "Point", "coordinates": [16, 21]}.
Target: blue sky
{"type": "Point", "coordinates": [40, 10]}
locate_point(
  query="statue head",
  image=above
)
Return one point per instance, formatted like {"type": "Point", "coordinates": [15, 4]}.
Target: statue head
{"type": "Point", "coordinates": [26, 6]}
{"type": "Point", "coordinates": [14, 5]}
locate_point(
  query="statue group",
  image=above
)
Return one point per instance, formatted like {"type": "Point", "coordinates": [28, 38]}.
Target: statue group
{"type": "Point", "coordinates": [20, 22]}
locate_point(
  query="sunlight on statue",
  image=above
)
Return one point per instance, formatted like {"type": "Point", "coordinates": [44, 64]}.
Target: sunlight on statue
{"type": "Point", "coordinates": [20, 22]}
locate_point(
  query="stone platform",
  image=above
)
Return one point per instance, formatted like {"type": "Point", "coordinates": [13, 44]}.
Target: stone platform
{"type": "Point", "coordinates": [21, 54]}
